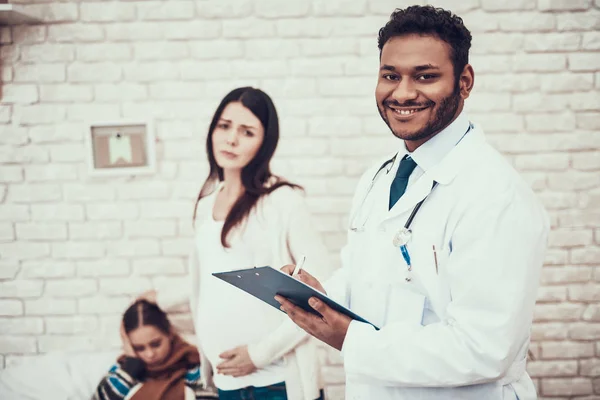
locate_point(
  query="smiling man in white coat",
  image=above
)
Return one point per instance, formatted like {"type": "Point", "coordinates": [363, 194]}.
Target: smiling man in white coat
{"type": "Point", "coordinates": [445, 243]}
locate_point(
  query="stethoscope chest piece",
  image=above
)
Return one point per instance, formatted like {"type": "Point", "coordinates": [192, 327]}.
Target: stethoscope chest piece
{"type": "Point", "coordinates": [402, 237]}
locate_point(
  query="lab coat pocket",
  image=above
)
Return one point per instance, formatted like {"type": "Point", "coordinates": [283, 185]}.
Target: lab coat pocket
{"type": "Point", "coordinates": [432, 273]}
{"type": "Point", "coordinates": [442, 255]}
{"type": "Point", "coordinates": [404, 305]}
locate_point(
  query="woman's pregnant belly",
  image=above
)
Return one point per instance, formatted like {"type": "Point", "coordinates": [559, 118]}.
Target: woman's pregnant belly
{"type": "Point", "coordinates": [229, 317]}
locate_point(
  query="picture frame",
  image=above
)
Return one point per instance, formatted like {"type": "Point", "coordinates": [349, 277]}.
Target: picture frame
{"type": "Point", "coordinates": [120, 148]}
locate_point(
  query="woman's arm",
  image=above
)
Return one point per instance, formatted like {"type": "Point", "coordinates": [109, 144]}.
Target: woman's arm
{"type": "Point", "coordinates": [302, 239]}
{"type": "Point", "coordinates": [119, 380]}
{"type": "Point", "coordinates": [193, 377]}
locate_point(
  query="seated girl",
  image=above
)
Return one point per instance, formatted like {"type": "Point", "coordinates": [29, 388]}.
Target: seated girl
{"type": "Point", "coordinates": [157, 363]}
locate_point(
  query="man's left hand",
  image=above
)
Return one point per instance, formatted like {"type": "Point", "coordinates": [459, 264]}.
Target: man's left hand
{"type": "Point", "coordinates": [331, 328]}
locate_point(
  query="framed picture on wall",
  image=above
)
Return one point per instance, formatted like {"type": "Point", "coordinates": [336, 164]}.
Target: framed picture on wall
{"type": "Point", "coordinates": [121, 148]}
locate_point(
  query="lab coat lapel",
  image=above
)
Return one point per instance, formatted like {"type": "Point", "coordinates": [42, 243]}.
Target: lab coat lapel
{"type": "Point", "coordinates": [414, 194]}
{"type": "Point", "coordinates": [443, 173]}
{"type": "Point", "coordinates": [461, 156]}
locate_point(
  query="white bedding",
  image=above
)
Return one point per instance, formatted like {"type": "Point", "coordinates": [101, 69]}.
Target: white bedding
{"type": "Point", "coordinates": [56, 376]}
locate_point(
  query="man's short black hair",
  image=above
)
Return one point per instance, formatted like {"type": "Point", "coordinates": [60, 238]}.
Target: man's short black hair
{"type": "Point", "coordinates": [428, 20]}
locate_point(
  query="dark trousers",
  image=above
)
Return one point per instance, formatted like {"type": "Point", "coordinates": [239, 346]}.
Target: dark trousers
{"type": "Point", "coordinates": [271, 392]}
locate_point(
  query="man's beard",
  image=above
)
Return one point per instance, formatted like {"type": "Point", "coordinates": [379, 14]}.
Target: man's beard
{"type": "Point", "coordinates": [441, 119]}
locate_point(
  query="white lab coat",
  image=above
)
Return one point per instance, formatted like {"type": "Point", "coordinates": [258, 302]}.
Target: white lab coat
{"type": "Point", "coordinates": [461, 332]}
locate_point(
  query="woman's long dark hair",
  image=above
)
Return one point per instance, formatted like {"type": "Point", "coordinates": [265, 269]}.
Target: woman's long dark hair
{"type": "Point", "coordinates": [257, 174]}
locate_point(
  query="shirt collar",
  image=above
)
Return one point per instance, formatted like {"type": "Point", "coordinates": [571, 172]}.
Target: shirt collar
{"type": "Point", "coordinates": [435, 149]}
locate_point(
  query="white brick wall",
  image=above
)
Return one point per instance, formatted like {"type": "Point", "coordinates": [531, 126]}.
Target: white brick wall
{"type": "Point", "coordinates": [75, 249]}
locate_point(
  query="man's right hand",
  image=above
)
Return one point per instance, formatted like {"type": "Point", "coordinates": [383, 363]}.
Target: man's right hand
{"type": "Point", "coordinates": [305, 277]}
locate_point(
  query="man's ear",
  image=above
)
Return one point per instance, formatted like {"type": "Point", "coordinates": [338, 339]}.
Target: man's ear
{"type": "Point", "coordinates": [466, 81]}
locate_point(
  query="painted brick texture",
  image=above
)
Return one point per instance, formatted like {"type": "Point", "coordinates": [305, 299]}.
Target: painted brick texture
{"type": "Point", "coordinates": [74, 249]}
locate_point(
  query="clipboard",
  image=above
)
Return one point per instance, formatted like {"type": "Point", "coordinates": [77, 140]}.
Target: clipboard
{"type": "Point", "coordinates": [265, 283]}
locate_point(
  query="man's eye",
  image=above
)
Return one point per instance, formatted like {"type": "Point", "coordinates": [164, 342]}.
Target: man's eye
{"type": "Point", "coordinates": [390, 77]}
{"type": "Point", "coordinates": [426, 77]}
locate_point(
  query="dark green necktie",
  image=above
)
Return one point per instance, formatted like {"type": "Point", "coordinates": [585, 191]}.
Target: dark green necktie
{"type": "Point", "coordinates": [406, 167]}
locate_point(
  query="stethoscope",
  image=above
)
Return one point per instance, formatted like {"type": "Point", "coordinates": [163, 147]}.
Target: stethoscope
{"type": "Point", "coordinates": [402, 237]}
{"type": "Point", "coordinates": [389, 164]}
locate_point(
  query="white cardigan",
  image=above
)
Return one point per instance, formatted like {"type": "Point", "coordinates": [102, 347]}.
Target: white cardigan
{"type": "Point", "coordinates": [291, 234]}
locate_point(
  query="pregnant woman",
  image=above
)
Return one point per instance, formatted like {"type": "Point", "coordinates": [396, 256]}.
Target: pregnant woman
{"type": "Point", "coordinates": [246, 216]}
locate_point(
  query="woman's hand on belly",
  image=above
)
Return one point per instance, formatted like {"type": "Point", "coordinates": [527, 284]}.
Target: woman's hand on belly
{"type": "Point", "coordinates": [237, 362]}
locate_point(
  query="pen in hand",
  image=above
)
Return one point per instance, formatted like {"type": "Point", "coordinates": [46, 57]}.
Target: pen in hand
{"type": "Point", "coordinates": [298, 266]}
